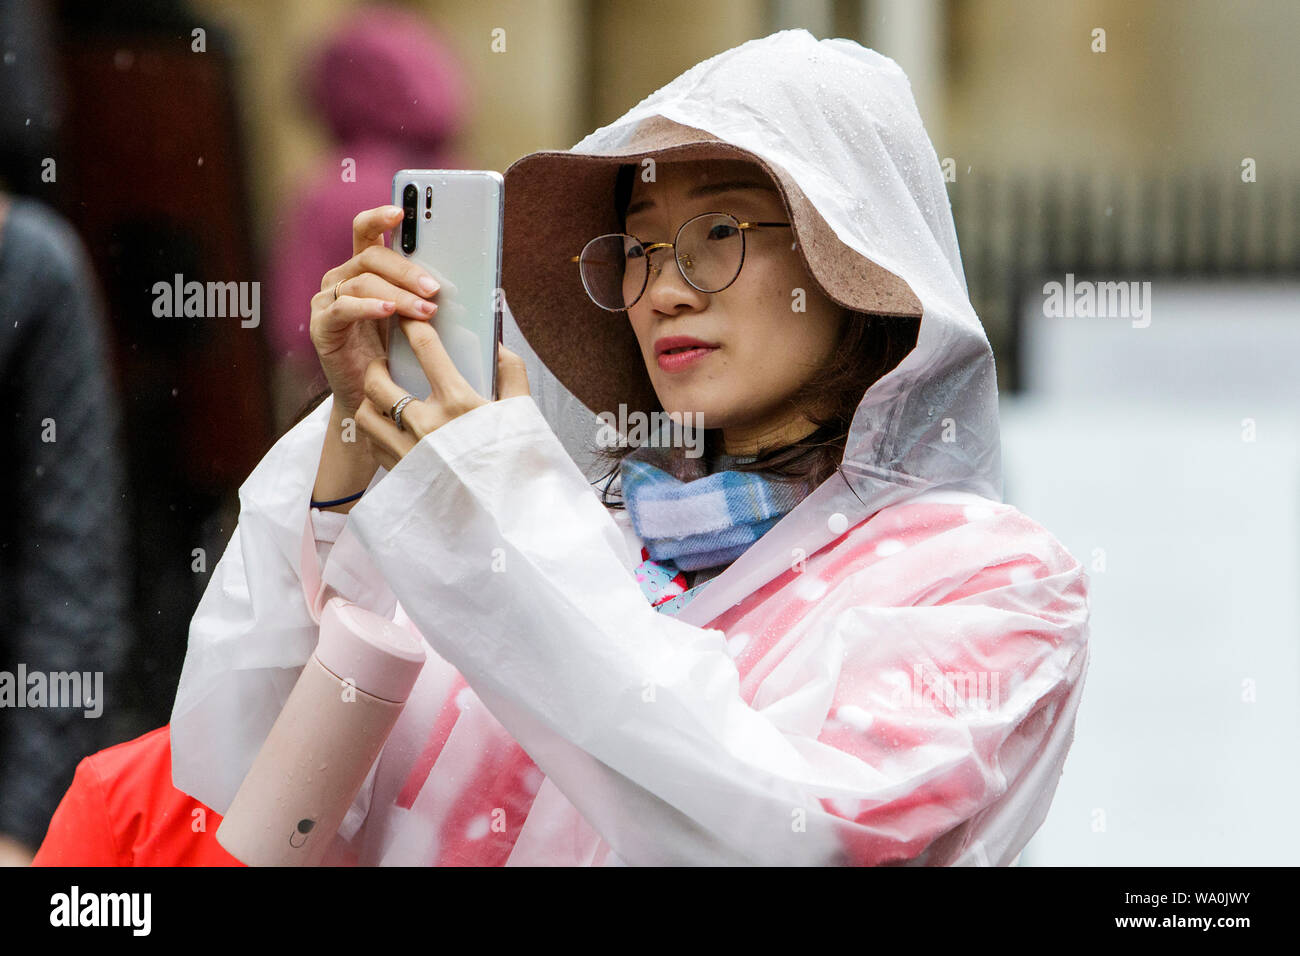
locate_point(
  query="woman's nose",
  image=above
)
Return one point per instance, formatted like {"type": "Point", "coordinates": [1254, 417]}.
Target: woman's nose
{"type": "Point", "coordinates": [668, 289]}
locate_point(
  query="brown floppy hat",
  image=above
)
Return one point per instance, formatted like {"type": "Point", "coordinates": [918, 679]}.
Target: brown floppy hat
{"type": "Point", "coordinates": [555, 201]}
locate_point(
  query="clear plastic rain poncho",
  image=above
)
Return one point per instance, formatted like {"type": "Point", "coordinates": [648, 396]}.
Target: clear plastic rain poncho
{"type": "Point", "coordinates": [889, 675]}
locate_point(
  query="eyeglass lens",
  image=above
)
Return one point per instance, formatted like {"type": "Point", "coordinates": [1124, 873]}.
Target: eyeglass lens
{"type": "Point", "coordinates": [709, 249]}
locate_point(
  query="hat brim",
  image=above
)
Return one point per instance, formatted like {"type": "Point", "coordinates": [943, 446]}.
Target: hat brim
{"type": "Point", "coordinates": [555, 201]}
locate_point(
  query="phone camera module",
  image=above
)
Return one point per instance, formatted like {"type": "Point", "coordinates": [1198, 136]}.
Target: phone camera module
{"type": "Point", "coordinates": [410, 199]}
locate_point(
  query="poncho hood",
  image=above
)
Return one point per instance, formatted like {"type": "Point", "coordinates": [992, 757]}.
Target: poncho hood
{"type": "Point", "coordinates": [839, 121]}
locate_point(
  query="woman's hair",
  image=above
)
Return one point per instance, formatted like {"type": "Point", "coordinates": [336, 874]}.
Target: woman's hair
{"type": "Point", "coordinates": [867, 348]}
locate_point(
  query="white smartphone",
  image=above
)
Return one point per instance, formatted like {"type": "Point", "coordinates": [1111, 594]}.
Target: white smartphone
{"type": "Point", "coordinates": [452, 225]}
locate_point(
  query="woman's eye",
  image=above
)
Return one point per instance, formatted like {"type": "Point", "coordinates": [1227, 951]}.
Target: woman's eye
{"type": "Point", "coordinates": [636, 252]}
{"type": "Point", "coordinates": [722, 231]}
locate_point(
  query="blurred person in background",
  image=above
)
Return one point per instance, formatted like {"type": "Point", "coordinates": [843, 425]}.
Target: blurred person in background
{"type": "Point", "coordinates": [63, 567]}
{"type": "Point", "coordinates": [392, 95]}
{"type": "Point", "coordinates": [63, 551]}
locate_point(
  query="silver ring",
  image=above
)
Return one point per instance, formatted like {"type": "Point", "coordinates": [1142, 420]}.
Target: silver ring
{"type": "Point", "coordinates": [336, 289]}
{"type": "Point", "coordinates": [398, 405]}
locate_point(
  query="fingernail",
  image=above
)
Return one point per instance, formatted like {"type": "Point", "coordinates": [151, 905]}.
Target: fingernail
{"type": "Point", "coordinates": [427, 308]}
{"type": "Point", "coordinates": [427, 285]}
{"type": "Point", "coordinates": [388, 306]}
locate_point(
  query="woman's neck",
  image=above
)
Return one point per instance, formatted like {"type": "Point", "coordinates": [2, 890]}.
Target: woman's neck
{"type": "Point", "coordinates": [747, 440]}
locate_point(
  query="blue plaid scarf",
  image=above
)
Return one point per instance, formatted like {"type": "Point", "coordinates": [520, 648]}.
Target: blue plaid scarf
{"type": "Point", "coordinates": [692, 520]}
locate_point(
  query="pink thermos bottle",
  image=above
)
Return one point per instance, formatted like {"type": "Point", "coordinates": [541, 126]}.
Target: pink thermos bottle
{"type": "Point", "coordinates": [322, 746]}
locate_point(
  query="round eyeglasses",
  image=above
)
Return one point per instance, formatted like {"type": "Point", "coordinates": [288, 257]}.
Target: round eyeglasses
{"type": "Point", "coordinates": [709, 249]}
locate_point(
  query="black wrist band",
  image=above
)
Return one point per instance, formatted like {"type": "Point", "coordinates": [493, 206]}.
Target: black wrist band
{"type": "Point", "coordinates": [337, 501]}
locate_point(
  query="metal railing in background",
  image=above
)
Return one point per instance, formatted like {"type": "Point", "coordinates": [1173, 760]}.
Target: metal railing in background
{"type": "Point", "coordinates": [1018, 230]}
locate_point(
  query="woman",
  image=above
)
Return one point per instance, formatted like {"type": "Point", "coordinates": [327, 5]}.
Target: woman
{"type": "Point", "coordinates": [871, 662]}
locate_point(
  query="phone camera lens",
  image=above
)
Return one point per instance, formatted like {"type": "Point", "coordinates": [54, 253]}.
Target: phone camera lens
{"type": "Point", "coordinates": [410, 198]}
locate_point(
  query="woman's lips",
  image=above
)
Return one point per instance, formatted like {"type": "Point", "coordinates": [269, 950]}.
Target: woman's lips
{"type": "Point", "coordinates": [677, 361]}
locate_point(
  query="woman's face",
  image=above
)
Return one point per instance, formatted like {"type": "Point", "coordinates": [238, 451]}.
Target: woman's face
{"type": "Point", "coordinates": [764, 347]}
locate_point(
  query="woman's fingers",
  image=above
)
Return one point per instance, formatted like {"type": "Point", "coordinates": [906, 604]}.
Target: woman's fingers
{"type": "Point", "coordinates": [331, 316]}
{"type": "Point", "coordinates": [449, 386]}
{"type": "Point", "coordinates": [370, 286]}
{"type": "Point", "coordinates": [368, 227]}
{"type": "Point", "coordinates": [512, 374]}
{"type": "Point", "coordinates": [375, 283]}
{"type": "Point", "coordinates": [418, 418]}
{"type": "Point", "coordinates": [387, 264]}
{"type": "Point", "coordinates": [388, 444]}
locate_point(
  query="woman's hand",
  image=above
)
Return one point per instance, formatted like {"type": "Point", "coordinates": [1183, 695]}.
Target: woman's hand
{"type": "Point", "coordinates": [374, 284]}
{"type": "Point", "coordinates": [452, 395]}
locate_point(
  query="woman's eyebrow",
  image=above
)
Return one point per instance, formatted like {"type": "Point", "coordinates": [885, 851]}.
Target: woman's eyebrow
{"type": "Point", "coordinates": [708, 189]}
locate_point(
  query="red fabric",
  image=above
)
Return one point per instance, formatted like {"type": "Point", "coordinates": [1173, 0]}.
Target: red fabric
{"type": "Point", "coordinates": [122, 810]}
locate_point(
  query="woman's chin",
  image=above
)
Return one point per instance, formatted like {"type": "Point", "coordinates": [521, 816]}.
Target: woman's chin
{"type": "Point", "coordinates": [692, 407]}
{"type": "Point", "coordinates": [696, 415]}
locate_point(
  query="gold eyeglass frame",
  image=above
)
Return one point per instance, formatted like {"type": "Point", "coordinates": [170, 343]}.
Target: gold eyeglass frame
{"type": "Point", "coordinates": [652, 269]}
